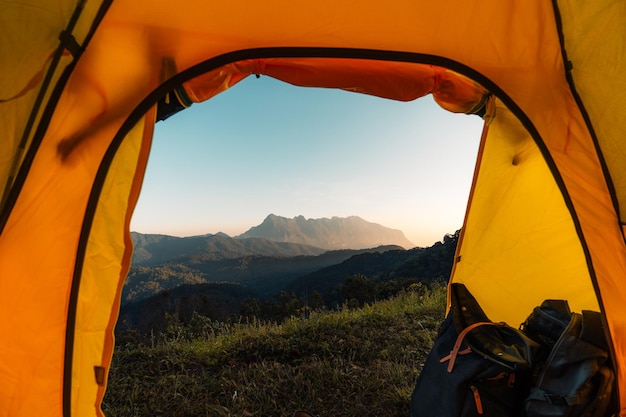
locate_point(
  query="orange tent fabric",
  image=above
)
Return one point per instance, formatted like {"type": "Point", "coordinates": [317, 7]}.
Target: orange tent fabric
{"type": "Point", "coordinates": [80, 81]}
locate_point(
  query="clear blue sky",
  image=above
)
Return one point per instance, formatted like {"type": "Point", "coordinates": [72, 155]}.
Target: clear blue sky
{"type": "Point", "coordinates": [265, 146]}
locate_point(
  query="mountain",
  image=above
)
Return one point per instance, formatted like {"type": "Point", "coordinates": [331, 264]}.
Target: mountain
{"type": "Point", "coordinates": [335, 233]}
{"type": "Point", "coordinates": [275, 237]}
{"type": "Point", "coordinates": [150, 249]}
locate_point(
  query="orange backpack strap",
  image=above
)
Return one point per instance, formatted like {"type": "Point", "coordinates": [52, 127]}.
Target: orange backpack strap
{"type": "Point", "coordinates": [456, 350]}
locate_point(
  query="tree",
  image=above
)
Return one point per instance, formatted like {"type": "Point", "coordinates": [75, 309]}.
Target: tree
{"type": "Point", "coordinates": [289, 302]}
{"type": "Point", "coordinates": [316, 302]}
{"type": "Point", "coordinates": [360, 288]}
{"type": "Point", "coordinates": [250, 308]}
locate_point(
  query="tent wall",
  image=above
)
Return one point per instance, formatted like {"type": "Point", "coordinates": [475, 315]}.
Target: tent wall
{"type": "Point", "coordinates": [55, 249]}
{"type": "Point", "coordinates": [519, 244]}
{"type": "Point", "coordinates": [595, 41]}
{"type": "Point", "coordinates": [108, 252]}
{"type": "Point", "coordinates": [594, 38]}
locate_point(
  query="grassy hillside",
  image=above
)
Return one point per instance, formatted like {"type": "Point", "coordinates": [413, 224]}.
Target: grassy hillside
{"type": "Point", "coordinates": [341, 363]}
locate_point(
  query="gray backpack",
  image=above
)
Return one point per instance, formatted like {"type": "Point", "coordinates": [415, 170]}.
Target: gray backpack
{"type": "Point", "coordinates": [572, 375]}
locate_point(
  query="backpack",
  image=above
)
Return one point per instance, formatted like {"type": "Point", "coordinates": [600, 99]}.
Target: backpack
{"type": "Point", "coordinates": [476, 367]}
{"type": "Point", "coordinates": [573, 376]}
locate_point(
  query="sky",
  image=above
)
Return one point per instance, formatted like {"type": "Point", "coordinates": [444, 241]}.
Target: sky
{"type": "Point", "coordinates": [266, 147]}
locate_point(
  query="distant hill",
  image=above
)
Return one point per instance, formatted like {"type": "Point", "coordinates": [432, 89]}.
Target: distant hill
{"type": "Point", "coordinates": [269, 274]}
{"type": "Point", "coordinates": [424, 264]}
{"type": "Point", "coordinates": [327, 281]}
{"type": "Point", "coordinates": [264, 274]}
{"type": "Point", "coordinates": [335, 233]}
{"type": "Point", "coordinates": [218, 288]}
{"type": "Point", "coordinates": [150, 249]}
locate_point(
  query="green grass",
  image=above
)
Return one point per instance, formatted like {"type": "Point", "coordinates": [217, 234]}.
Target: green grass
{"type": "Point", "coordinates": [352, 362]}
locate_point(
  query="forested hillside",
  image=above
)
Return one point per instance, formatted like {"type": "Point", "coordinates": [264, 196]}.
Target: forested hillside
{"type": "Point", "coordinates": [263, 274]}
{"type": "Point", "coordinates": [275, 288]}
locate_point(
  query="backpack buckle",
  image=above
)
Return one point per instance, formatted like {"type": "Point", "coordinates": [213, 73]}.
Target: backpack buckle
{"type": "Point", "coordinates": [563, 400]}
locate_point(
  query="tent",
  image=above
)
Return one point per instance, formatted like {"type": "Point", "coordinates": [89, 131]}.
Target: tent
{"type": "Point", "coordinates": [79, 87]}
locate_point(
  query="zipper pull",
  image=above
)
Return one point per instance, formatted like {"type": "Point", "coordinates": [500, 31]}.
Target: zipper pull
{"type": "Point", "coordinates": [477, 401]}
{"type": "Point", "coordinates": [511, 383]}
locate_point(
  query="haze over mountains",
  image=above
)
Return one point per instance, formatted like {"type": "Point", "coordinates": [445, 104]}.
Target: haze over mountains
{"type": "Point", "coordinates": [157, 249]}
{"type": "Point", "coordinates": [276, 236]}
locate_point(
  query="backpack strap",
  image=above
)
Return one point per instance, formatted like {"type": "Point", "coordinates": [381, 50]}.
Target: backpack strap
{"type": "Point", "coordinates": [456, 349]}
{"type": "Point", "coordinates": [553, 399]}
{"type": "Point", "coordinates": [593, 330]}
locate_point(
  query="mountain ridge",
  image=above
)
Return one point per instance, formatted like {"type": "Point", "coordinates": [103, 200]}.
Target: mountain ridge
{"type": "Point", "coordinates": [154, 249]}
{"type": "Point", "coordinates": [351, 232]}
{"type": "Point", "coordinates": [275, 236]}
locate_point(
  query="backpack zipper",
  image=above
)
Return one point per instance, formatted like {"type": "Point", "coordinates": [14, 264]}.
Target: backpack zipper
{"type": "Point", "coordinates": [510, 382]}
{"type": "Point", "coordinates": [477, 401]}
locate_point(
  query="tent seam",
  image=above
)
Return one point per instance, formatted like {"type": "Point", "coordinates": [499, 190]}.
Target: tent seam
{"type": "Point", "coordinates": [45, 84]}
{"type": "Point", "coordinates": [14, 188]}
{"type": "Point", "coordinates": [568, 66]}
{"type": "Point", "coordinates": [75, 283]}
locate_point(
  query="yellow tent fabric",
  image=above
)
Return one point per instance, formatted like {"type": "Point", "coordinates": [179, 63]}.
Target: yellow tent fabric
{"type": "Point", "coordinates": [80, 81]}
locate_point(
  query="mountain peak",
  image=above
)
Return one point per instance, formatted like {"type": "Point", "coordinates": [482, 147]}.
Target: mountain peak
{"type": "Point", "coordinates": [350, 232]}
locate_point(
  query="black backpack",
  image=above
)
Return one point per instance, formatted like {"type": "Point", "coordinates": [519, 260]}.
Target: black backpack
{"type": "Point", "coordinates": [476, 367]}
{"type": "Point", "coordinates": [572, 376]}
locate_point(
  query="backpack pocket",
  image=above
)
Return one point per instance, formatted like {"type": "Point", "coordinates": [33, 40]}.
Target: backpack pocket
{"type": "Point", "coordinates": [575, 380]}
